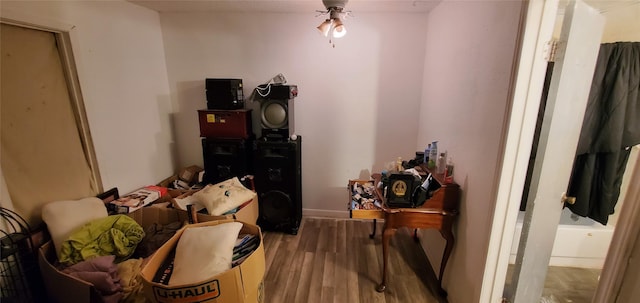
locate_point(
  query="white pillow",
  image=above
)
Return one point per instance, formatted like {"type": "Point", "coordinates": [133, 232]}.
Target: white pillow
{"type": "Point", "coordinates": [224, 196]}
{"type": "Point", "coordinates": [64, 217]}
{"type": "Point", "coordinates": [203, 252]}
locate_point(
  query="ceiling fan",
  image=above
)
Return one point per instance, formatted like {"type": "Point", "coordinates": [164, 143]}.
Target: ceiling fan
{"type": "Point", "coordinates": [333, 24]}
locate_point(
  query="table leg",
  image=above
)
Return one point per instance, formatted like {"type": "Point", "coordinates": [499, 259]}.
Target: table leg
{"type": "Point", "coordinates": [415, 235]}
{"type": "Point", "coordinates": [386, 237]}
{"type": "Point", "coordinates": [447, 234]}
{"type": "Point", "coordinates": [373, 234]}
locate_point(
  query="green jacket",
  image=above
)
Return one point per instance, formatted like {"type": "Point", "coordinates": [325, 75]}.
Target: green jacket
{"type": "Point", "coordinates": [114, 235]}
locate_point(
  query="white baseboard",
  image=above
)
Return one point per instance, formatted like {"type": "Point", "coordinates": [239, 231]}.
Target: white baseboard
{"type": "Point", "coordinates": [325, 213]}
{"type": "Point", "coordinates": [596, 263]}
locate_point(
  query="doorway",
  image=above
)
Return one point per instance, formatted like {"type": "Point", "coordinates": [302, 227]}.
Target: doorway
{"type": "Point", "coordinates": [580, 245]}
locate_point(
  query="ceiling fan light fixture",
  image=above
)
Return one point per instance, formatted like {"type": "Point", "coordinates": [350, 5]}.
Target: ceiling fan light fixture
{"type": "Point", "coordinates": [333, 25]}
{"type": "Point", "coordinates": [325, 27]}
{"type": "Point", "coordinates": [338, 29]}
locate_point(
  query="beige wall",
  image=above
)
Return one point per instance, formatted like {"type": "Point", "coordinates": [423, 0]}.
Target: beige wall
{"type": "Point", "coordinates": [622, 23]}
{"type": "Point", "coordinates": [121, 66]}
{"type": "Point", "coordinates": [469, 57]}
{"type": "Point", "coordinates": [358, 103]}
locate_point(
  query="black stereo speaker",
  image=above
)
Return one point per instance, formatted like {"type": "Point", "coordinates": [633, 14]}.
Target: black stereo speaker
{"type": "Point", "coordinates": [224, 93]}
{"type": "Point", "coordinates": [226, 158]}
{"type": "Point", "coordinates": [278, 182]}
{"type": "Point", "coordinates": [276, 112]}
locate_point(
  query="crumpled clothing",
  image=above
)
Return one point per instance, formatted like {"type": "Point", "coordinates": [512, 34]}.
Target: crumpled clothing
{"type": "Point", "coordinates": [156, 235]}
{"type": "Point", "coordinates": [116, 235]}
{"type": "Point", "coordinates": [131, 282]}
{"type": "Point", "coordinates": [102, 272]}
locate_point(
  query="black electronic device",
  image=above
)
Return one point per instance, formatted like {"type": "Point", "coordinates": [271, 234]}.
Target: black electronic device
{"type": "Point", "coordinates": [278, 182]}
{"type": "Point", "coordinates": [226, 158]}
{"type": "Point", "coordinates": [424, 191]}
{"type": "Point", "coordinates": [281, 91]}
{"type": "Point", "coordinates": [276, 112]}
{"type": "Point", "coordinates": [224, 93]}
{"type": "Point", "coordinates": [400, 189]}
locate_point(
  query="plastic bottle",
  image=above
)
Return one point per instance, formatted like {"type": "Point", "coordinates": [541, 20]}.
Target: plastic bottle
{"type": "Point", "coordinates": [448, 174]}
{"type": "Point", "coordinates": [426, 154]}
{"type": "Point", "coordinates": [399, 167]}
{"type": "Point", "coordinates": [441, 164]}
{"type": "Point", "coordinates": [433, 155]}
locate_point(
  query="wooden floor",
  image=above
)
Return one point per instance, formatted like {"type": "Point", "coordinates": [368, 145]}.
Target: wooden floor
{"type": "Point", "coordinates": [566, 284]}
{"type": "Point", "coordinates": [334, 260]}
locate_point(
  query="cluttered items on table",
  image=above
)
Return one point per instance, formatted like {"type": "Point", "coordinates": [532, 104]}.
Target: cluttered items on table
{"type": "Point", "coordinates": [363, 196]}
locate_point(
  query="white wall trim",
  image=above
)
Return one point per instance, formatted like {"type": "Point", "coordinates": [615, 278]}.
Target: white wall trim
{"type": "Point", "coordinates": [24, 19]}
{"type": "Point", "coordinates": [325, 213]}
{"type": "Point", "coordinates": [578, 262]}
{"type": "Point", "coordinates": [541, 16]}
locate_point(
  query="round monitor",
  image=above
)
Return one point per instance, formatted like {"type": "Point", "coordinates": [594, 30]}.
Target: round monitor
{"type": "Point", "coordinates": [274, 114]}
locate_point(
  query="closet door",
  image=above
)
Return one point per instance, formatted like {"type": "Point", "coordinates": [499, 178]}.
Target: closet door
{"type": "Point", "coordinates": [566, 102]}
{"type": "Point", "coordinates": [43, 154]}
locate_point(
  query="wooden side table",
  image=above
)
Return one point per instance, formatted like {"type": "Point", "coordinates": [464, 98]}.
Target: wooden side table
{"type": "Point", "coordinates": [438, 212]}
{"type": "Point", "coordinates": [417, 218]}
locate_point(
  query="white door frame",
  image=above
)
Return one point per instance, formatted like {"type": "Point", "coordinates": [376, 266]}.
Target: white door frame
{"type": "Point", "coordinates": [538, 31]}
{"type": "Point", "coordinates": [541, 18]}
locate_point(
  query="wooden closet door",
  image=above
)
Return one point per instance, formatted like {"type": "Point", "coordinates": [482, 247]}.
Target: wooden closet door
{"type": "Point", "coordinates": [42, 155]}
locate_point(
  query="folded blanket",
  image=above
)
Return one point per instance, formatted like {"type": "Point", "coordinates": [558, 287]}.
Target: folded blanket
{"type": "Point", "coordinates": [102, 272]}
{"type": "Point", "coordinates": [116, 235]}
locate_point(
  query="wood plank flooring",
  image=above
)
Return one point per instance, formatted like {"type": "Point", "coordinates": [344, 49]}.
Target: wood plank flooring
{"type": "Point", "coordinates": [566, 284]}
{"type": "Point", "coordinates": [335, 261]}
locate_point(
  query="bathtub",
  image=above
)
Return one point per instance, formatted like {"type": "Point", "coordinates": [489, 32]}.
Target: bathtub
{"type": "Point", "coordinates": [580, 242]}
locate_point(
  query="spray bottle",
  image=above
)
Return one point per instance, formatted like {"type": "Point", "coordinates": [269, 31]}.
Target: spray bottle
{"type": "Point", "coordinates": [433, 155]}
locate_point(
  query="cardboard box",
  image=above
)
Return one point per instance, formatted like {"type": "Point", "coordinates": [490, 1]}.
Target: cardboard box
{"type": "Point", "coordinates": [240, 284]}
{"type": "Point", "coordinates": [168, 181]}
{"type": "Point", "coordinates": [190, 174]}
{"type": "Point", "coordinates": [137, 199]}
{"type": "Point", "coordinates": [248, 212]}
{"type": "Point", "coordinates": [64, 288]}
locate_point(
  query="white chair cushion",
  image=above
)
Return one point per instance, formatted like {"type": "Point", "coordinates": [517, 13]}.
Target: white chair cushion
{"type": "Point", "coordinates": [64, 217]}
{"type": "Point", "coordinates": [224, 196]}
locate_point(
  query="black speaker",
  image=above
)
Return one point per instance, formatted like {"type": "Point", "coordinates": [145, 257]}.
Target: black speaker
{"type": "Point", "coordinates": [278, 183]}
{"type": "Point", "coordinates": [226, 158]}
{"type": "Point", "coordinates": [224, 93]}
{"type": "Point", "coordinates": [276, 112]}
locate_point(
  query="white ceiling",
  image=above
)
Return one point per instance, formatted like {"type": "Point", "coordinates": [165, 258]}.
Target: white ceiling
{"type": "Point", "coordinates": [289, 6]}
{"type": "Point", "coordinates": [286, 6]}
{"type": "Point", "coordinates": [603, 5]}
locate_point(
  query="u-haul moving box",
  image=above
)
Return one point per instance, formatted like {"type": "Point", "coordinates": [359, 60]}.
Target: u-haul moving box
{"type": "Point", "coordinates": [240, 284]}
{"type": "Point", "coordinates": [64, 288]}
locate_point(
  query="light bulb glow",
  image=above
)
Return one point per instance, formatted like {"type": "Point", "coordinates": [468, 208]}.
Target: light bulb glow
{"type": "Point", "coordinates": [339, 31]}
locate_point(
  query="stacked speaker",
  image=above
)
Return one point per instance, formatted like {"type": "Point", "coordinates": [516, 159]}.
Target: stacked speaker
{"type": "Point", "coordinates": [277, 158]}
{"type": "Point", "coordinates": [226, 131]}
{"type": "Point", "coordinates": [230, 148]}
